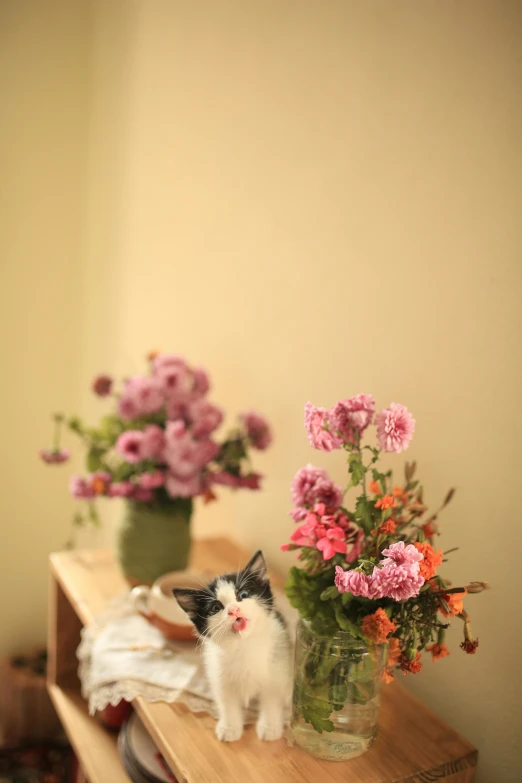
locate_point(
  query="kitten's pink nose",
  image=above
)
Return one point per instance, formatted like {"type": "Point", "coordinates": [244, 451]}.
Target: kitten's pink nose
{"type": "Point", "coordinates": [234, 611]}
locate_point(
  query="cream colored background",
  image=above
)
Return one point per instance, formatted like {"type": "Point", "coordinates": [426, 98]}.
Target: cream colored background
{"type": "Point", "coordinates": [312, 199]}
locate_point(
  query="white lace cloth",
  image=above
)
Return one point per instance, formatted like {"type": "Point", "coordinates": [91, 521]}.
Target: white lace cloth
{"type": "Point", "coordinates": [122, 656]}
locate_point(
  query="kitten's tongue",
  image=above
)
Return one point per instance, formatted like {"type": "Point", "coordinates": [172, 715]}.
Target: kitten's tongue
{"type": "Point", "coordinates": [239, 624]}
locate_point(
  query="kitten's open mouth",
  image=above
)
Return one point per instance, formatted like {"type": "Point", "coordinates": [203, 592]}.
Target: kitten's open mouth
{"type": "Point", "coordinates": [239, 624]}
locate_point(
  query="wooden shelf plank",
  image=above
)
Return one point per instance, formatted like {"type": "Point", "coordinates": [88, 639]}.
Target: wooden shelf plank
{"type": "Point", "coordinates": [95, 747]}
{"type": "Point", "coordinates": [413, 745]}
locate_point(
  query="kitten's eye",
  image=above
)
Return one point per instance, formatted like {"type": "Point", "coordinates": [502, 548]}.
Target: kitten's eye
{"type": "Point", "coordinates": [215, 608]}
{"type": "Point", "coordinates": [243, 594]}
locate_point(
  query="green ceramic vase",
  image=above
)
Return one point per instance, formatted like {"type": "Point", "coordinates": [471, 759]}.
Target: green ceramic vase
{"type": "Point", "coordinates": [154, 539]}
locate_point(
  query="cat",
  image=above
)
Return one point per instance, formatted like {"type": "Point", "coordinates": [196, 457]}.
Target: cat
{"type": "Point", "coordinates": [247, 648]}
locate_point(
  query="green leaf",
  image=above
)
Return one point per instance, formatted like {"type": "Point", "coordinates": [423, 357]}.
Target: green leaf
{"type": "Point", "coordinates": [330, 592]}
{"type": "Point", "coordinates": [363, 513]}
{"type": "Point", "coordinates": [93, 460]}
{"type": "Point", "coordinates": [356, 468]}
{"type": "Point", "coordinates": [346, 598]}
{"type": "Point", "coordinates": [345, 624]}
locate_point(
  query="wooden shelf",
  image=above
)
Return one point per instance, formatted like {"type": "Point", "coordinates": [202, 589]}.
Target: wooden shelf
{"type": "Point", "coordinates": [95, 747]}
{"type": "Point", "coordinates": [414, 745]}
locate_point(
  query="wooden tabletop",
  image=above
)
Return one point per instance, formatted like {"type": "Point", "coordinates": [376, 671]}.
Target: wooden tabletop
{"type": "Point", "coordinates": [413, 743]}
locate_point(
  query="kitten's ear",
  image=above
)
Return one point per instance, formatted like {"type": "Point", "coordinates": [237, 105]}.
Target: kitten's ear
{"type": "Point", "coordinates": [187, 599]}
{"type": "Point", "coordinates": [257, 567]}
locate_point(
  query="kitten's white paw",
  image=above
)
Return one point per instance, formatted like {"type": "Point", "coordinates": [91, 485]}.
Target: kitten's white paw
{"type": "Point", "coordinates": [228, 733]}
{"type": "Point", "coordinates": [269, 731]}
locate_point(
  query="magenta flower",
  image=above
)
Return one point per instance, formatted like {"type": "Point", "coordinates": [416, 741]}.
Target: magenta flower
{"type": "Point", "coordinates": [151, 480]}
{"type": "Point", "coordinates": [201, 382]}
{"type": "Point", "coordinates": [225, 479]}
{"type": "Point", "coordinates": [143, 495]}
{"type": "Point", "coordinates": [351, 417]}
{"type": "Point", "coordinates": [400, 554]}
{"type": "Point", "coordinates": [129, 445]}
{"type": "Point", "coordinates": [165, 360]}
{"type": "Point", "coordinates": [152, 443]}
{"type": "Point", "coordinates": [316, 424]}
{"type": "Point", "coordinates": [184, 487]}
{"type": "Point", "coordinates": [257, 429]}
{"type": "Point", "coordinates": [204, 417]}
{"type": "Point", "coordinates": [312, 485]}
{"type": "Point", "coordinates": [121, 489]}
{"type": "Point", "coordinates": [395, 427]}
{"type": "Point", "coordinates": [102, 385]}
{"type": "Point", "coordinates": [332, 543]}
{"type": "Point", "coordinates": [54, 456]}
{"type": "Point", "coordinates": [80, 488]}
{"type": "Point", "coordinates": [352, 582]}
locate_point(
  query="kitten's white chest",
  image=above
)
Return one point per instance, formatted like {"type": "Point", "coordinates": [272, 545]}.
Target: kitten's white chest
{"type": "Point", "coordinates": [245, 669]}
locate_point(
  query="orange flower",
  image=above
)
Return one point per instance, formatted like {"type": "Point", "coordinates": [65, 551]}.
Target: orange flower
{"type": "Point", "coordinates": [428, 530]}
{"type": "Point", "coordinates": [377, 626]}
{"type": "Point", "coordinates": [152, 355]}
{"type": "Point", "coordinates": [388, 527]}
{"type": "Point", "coordinates": [400, 494]}
{"type": "Point", "coordinates": [99, 485]}
{"type": "Point", "coordinates": [438, 651]}
{"type": "Point", "coordinates": [394, 651]}
{"type": "Point", "coordinates": [387, 675]}
{"type": "Point", "coordinates": [454, 601]}
{"type": "Point", "coordinates": [410, 667]}
{"type": "Point", "coordinates": [208, 497]}
{"type": "Point", "coordinates": [385, 502]}
{"type": "Point", "coordinates": [375, 487]}
{"type": "Point", "coordinates": [430, 560]}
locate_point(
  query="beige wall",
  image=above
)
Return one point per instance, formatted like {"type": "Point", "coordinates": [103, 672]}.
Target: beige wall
{"type": "Point", "coordinates": [44, 59]}
{"type": "Point", "coordinates": [314, 199]}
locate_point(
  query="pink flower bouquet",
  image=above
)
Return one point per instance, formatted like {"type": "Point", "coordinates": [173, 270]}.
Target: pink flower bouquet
{"type": "Point", "coordinates": [160, 443]}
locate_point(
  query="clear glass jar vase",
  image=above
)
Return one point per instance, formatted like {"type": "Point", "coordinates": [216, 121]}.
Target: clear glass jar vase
{"type": "Point", "coordinates": [336, 695]}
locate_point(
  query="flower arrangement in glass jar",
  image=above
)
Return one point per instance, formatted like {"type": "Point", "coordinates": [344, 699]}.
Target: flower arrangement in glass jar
{"type": "Point", "coordinates": [370, 571]}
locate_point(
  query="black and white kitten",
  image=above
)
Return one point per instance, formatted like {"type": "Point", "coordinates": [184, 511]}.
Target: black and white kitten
{"type": "Point", "coordinates": [246, 648]}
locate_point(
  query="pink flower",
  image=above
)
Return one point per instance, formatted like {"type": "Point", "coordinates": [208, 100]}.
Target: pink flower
{"type": "Point", "coordinates": [399, 582]}
{"type": "Point", "coordinates": [164, 360]}
{"type": "Point", "coordinates": [152, 443]}
{"type": "Point", "coordinates": [184, 455]}
{"type": "Point", "coordinates": [54, 456]}
{"type": "Point", "coordinates": [129, 445]}
{"type": "Point", "coordinates": [178, 407]}
{"type": "Point", "coordinates": [395, 427]}
{"type": "Point", "coordinates": [184, 487]}
{"type": "Point", "coordinates": [352, 582]}
{"type": "Point", "coordinates": [151, 480]}
{"type": "Point", "coordinates": [102, 385]}
{"type": "Point", "coordinates": [204, 417]}
{"type": "Point", "coordinates": [80, 488]}
{"type": "Point", "coordinates": [332, 543]}
{"type": "Point", "coordinates": [252, 481]}
{"type": "Point", "coordinates": [400, 554]}
{"type": "Point", "coordinates": [201, 382]}
{"type": "Point", "coordinates": [141, 396]}
{"type": "Point", "coordinates": [351, 417]}
{"type": "Point", "coordinates": [174, 377]}
{"type": "Point", "coordinates": [121, 489]}
{"type": "Point", "coordinates": [316, 421]}
{"type": "Point", "coordinates": [143, 495]}
{"type": "Point", "coordinates": [257, 429]}
{"type": "Point", "coordinates": [312, 485]}
{"type": "Point", "coordinates": [225, 479]}
{"type": "Point", "coordinates": [355, 547]}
